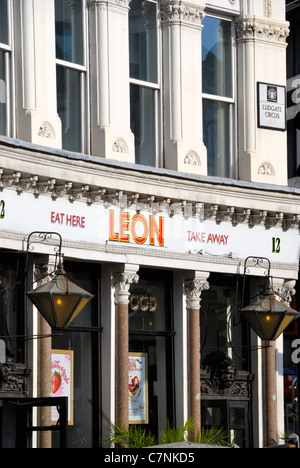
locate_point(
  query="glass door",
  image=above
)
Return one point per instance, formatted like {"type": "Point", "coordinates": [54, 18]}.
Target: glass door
{"type": "Point", "coordinates": [151, 333]}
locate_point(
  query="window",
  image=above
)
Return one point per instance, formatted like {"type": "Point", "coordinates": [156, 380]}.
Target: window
{"type": "Point", "coordinates": [5, 68]}
{"type": "Point", "coordinates": [71, 72]}
{"type": "Point", "coordinates": [293, 97]}
{"type": "Point", "coordinates": [218, 95]}
{"type": "Point", "coordinates": [145, 80]}
{"type": "Point", "coordinates": [12, 330]}
{"type": "Point", "coordinates": [151, 333]}
{"type": "Point", "coordinates": [83, 338]}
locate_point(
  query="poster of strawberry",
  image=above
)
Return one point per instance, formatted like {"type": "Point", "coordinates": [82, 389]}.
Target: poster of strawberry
{"type": "Point", "coordinates": [138, 388]}
{"type": "Point", "coordinates": [62, 380]}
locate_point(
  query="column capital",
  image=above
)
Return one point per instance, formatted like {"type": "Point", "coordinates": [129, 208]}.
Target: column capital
{"type": "Point", "coordinates": [284, 288]}
{"type": "Point", "coordinates": [178, 11]}
{"type": "Point", "coordinates": [194, 287]}
{"type": "Point", "coordinates": [123, 278]}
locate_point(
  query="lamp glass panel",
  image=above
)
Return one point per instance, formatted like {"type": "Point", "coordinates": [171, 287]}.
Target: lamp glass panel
{"type": "Point", "coordinates": [43, 303]}
{"type": "Point", "coordinates": [263, 323]}
{"type": "Point", "coordinates": [83, 302]}
{"type": "Point", "coordinates": [64, 307]}
{"type": "Point", "coordinates": [284, 324]}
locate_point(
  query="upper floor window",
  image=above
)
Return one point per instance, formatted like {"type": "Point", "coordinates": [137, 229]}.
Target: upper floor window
{"type": "Point", "coordinates": [293, 96]}
{"type": "Point", "coordinates": [5, 68]}
{"type": "Point", "coordinates": [144, 39]}
{"type": "Point", "coordinates": [218, 95]}
{"type": "Point", "coordinates": [70, 28]}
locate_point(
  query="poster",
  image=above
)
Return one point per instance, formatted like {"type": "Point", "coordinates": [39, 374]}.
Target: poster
{"type": "Point", "coordinates": [62, 380]}
{"type": "Point", "coordinates": [138, 388]}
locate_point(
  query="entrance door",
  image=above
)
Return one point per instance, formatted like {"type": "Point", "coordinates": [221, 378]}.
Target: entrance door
{"type": "Point", "coordinates": [232, 415]}
{"type": "Point", "coordinates": [151, 333]}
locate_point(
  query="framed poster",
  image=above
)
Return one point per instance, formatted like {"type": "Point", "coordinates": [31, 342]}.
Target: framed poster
{"type": "Point", "coordinates": [271, 106]}
{"type": "Point", "coordinates": [138, 388]}
{"type": "Point", "coordinates": [62, 381]}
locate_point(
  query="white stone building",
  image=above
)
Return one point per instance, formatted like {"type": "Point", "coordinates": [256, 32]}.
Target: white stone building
{"type": "Point", "coordinates": [151, 135]}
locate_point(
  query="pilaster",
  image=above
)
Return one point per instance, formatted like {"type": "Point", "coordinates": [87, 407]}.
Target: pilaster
{"type": "Point", "coordinates": [182, 69]}
{"type": "Point", "coordinates": [37, 118]}
{"type": "Point", "coordinates": [111, 136]}
{"type": "Point", "coordinates": [261, 40]}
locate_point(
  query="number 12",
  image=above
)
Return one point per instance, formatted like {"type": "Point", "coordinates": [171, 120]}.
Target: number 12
{"type": "Point", "coordinates": [275, 245]}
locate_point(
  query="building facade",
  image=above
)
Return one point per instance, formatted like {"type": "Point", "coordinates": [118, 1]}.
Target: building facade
{"type": "Point", "coordinates": [151, 136]}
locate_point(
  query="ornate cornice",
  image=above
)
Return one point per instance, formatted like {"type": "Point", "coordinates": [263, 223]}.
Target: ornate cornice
{"type": "Point", "coordinates": [235, 215]}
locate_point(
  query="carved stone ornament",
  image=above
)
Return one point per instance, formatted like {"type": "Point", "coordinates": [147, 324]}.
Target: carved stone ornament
{"type": "Point", "coordinates": [13, 379]}
{"type": "Point", "coordinates": [266, 168]}
{"type": "Point", "coordinates": [193, 290]}
{"type": "Point", "coordinates": [219, 377]}
{"type": "Point", "coordinates": [122, 282]}
{"type": "Point", "coordinates": [46, 131]}
{"type": "Point", "coordinates": [192, 158]}
{"type": "Point", "coordinates": [178, 12]}
{"type": "Point", "coordinates": [262, 30]}
{"type": "Point", "coordinates": [120, 146]}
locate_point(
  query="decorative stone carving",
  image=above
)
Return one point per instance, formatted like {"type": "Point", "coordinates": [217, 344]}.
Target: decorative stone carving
{"type": "Point", "coordinates": [219, 377]}
{"type": "Point", "coordinates": [178, 12]}
{"type": "Point", "coordinates": [13, 378]}
{"type": "Point", "coordinates": [122, 282]}
{"type": "Point", "coordinates": [34, 184]}
{"type": "Point", "coordinates": [46, 131]}
{"type": "Point", "coordinates": [120, 146]}
{"type": "Point", "coordinates": [262, 30]}
{"type": "Point", "coordinates": [194, 288]}
{"type": "Point", "coordinates": [266, 168]}
{"type": "Point", "coordinates": [192, 158]}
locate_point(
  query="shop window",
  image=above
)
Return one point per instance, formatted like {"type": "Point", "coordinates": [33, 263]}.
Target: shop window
{"type": "Point", "coordinates": [12, 336]}
{"type": "Point", "coordinates": [221, 326]}
{"type": "Point", "coordinates": [145, 80]}
{"type": "Point", "coordinates": [5, 68]}
{"type": "Point", "coordinates": [218, 95]}
{"type": "Point", "coordinates": [82, 338]}
{"type": "Point", "coordinates": [151, 333]}
{"type": "Point", "coordinates": [70, 32]}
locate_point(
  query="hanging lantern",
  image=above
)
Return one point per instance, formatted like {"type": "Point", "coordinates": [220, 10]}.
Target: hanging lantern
{"type": "Point", "coordinates": [268, 317]}
{"type": "Point", "coordinates": [60, 300]}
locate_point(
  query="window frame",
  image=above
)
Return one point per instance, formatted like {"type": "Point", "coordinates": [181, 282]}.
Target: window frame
{"type": "Point", "coordinates": [7, 50]}
{"type": "Point", "coordinates": [84, 80]}
{"type": "Point", "coordinates": [233, 160]}
{"type": "Point", "coordinates": [156, 88]}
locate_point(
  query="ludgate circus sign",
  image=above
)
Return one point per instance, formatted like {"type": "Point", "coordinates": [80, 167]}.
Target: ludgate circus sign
{"type": "Point", "coordinates": [147, 229]}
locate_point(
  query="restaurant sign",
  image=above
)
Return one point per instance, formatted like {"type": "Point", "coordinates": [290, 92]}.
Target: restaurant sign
{"type": "Point", "coordinates": [110, 225]}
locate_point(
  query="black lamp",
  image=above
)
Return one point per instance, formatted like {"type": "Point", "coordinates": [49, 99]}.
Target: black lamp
{"type": "Point", "coordinates": [267, 316]}
{"type": "Point", "coordinates": [59, 300]}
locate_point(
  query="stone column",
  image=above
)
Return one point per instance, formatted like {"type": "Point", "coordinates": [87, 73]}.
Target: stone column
{"type": "Point", "coordinates": [284, 289]}
{"type": "Point", "coordinates": [193, 289]}
{"type": "Point", "coordinates": [44, 347]}
{"type": "Point", "coordinates": [122, 281]}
